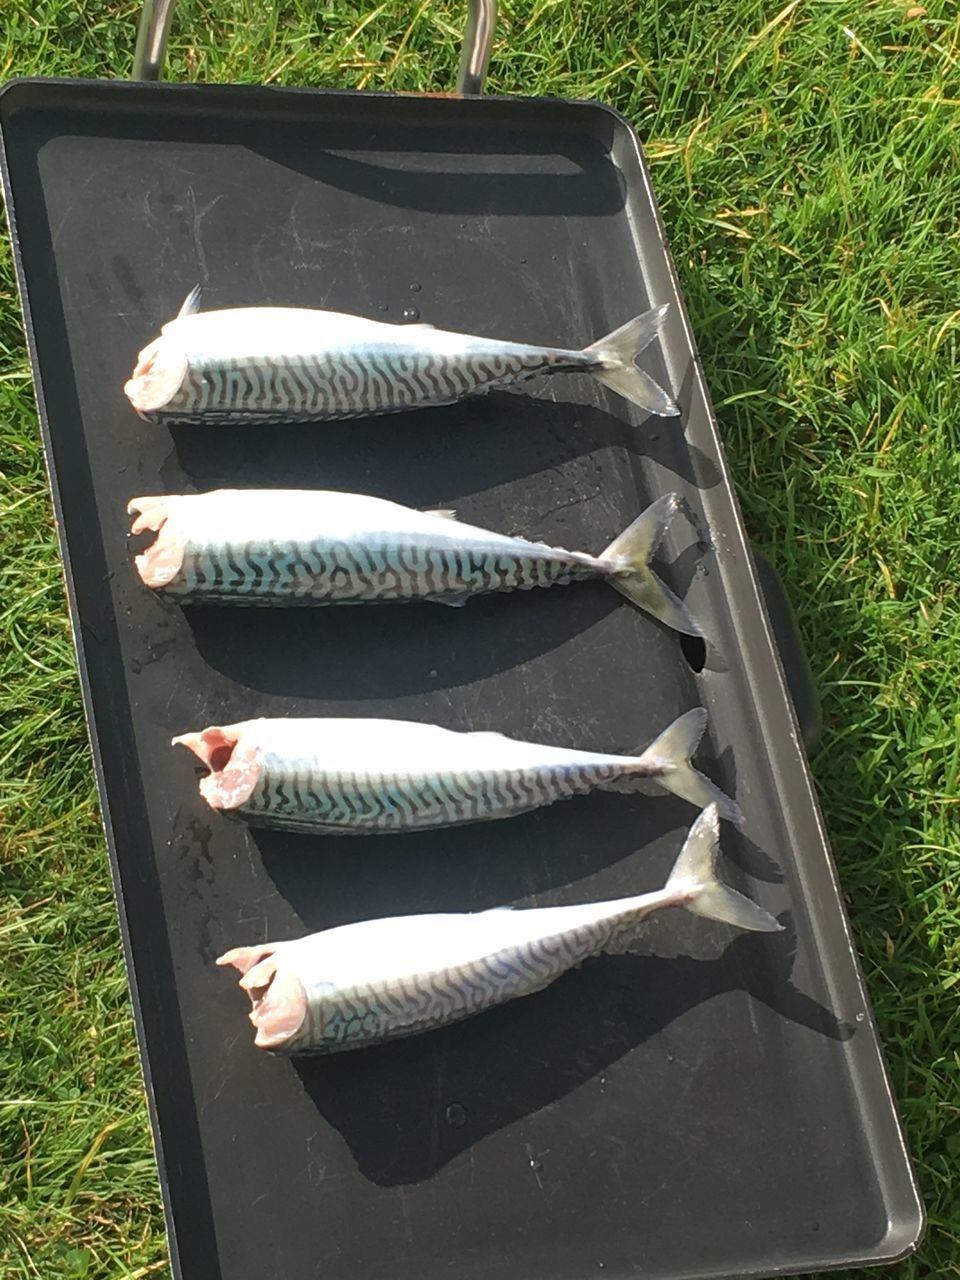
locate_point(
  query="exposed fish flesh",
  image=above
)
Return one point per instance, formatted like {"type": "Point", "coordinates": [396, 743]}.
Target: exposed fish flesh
{"type": "Point", "coordinates": [377, 980]}
{"type": "Point", "coordinates": [369, 776]}
{"type": "Point", "coordinates": [277, 364]}
{"type": "Point", "coordinates": [294, 546]}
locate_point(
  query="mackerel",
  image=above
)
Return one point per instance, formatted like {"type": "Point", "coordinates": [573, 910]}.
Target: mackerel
{"type": "Point", "coordinates": [377, 980]}
{"type": "Point", "coordinates": [346, 776]}
{"type": "Point", "coordinates": [280, 364]}
{"type": "Point", "coordinates": [290, 546]}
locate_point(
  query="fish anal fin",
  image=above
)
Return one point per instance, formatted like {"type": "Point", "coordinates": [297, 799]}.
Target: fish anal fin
{"type": "Point", "coordinates": [628, 938]}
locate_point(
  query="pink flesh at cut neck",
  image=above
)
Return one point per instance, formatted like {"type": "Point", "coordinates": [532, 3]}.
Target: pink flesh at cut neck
{"type": "Point", "coordinates": [157, 377]}
{"type": "Point", "coordinates": [159, 563]}
{"type": "Point", "coordinates": [234, 764]}
{"type": "Point", "coordinates": [277, 997]}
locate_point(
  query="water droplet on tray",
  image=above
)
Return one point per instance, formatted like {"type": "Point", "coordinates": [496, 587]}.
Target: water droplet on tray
{"type": "Point", "coordinates": [384, 307]}
{"type": "Point", "coordinates": [415, 287]}
{"type": "Point", "coordinates": [411, 313]}
{"type": "Point", "coordinates": [136, 666]}
{"type": "Point", "coordinates": [456, 1116]}
{"type": "Point", "coordinates": [536, 1165]}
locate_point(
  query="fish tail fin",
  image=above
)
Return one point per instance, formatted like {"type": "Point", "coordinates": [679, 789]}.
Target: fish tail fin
{"type": "Point", "coordinates": [615, 365]}
{"type": "Point", "coordinates": [668, 760]}
{"type": "Point", "coordinates": [628, 560]}
{"type": "Point", "coordinates": [695, 881]}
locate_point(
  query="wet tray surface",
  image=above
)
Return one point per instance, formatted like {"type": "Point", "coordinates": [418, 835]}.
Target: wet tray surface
{"type": "Point", "coordinates": [712, 1105]}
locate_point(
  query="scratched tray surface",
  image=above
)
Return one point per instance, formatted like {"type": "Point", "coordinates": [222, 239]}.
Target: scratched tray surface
{"type": "Point", "coordinates": [713, 1104]}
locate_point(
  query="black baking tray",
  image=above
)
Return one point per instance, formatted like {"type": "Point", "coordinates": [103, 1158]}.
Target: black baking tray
{"type": "Point", "coordinates": [714, 1105]}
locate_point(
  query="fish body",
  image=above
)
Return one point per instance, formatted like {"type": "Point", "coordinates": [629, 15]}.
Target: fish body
{"type": "Point", "coordinates": [377, 980]}
{"type": "Point", "coordinates": [286, 546]}
{"type": "Point", "coordinates": [280, 364]}
{"type": "Point", "coordinates": [369, 776]}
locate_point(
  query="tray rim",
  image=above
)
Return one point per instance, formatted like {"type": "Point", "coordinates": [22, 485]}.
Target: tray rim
{"type": "Point", "coordinates": [904, 1231]}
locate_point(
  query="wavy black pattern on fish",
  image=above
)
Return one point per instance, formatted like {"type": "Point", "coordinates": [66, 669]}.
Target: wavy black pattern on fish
{"type": "Point", "coordinates": [261, 573]}
{"type": "Point", "coordinates": [294, 797]}
{"type": "Point", "coordinates": [399, 1007]}
{"type": "Point", "coordinates": [267, 390]}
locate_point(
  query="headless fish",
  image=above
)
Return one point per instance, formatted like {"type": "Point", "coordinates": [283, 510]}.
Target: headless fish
{"type": "Point", "coordinates": [377, 980]}
{"type": "Point", "coordinates": [370, 776]}
{"type": "Point", "coordinates": [289, 546]}
{"type": "Point", "coordinates": [279, 364]}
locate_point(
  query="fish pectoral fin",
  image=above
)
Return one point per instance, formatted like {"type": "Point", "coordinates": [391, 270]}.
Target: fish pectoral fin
{"type": "Point", "coordinates": [442, 513]}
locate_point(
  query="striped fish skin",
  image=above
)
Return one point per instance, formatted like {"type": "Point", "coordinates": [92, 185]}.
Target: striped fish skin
{"type": "Point", "coordinates": [282, 364]}
{"type": "Point", "coordinates": [296, 546]}
{"type": "Point", "coordinates": [267, 547]}
{"type": "Point", "coordinates": [378, 980]}
{"type": "Point", "coordinates": [372, 776]}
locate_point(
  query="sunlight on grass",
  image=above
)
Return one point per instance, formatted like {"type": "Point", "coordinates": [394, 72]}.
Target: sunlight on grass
{"type": "Point", "coordinates": [806, 157]}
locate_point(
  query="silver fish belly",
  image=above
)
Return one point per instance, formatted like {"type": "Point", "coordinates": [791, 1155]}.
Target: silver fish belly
{"type": "Point", "coordinates": [287, 546]}
{"type": "Point", "coordinates": [360, 776]}
{"type": "Point", "coordinates": [378, 980]}
{"type": "Point", "coordinates": [279, 364]}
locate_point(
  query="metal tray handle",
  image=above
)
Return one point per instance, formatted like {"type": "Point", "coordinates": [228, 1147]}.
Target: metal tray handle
{"type": "Point", "coordinates": [156, 16]}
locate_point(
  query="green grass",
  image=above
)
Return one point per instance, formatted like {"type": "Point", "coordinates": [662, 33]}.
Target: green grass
{"type": "Point", "coordinates": [807, 162]}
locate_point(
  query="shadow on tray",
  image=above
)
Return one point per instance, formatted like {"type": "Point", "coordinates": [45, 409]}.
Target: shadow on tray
{"type": "Point", "coordinates": [425, 457]}
{"type": "Point", "coordinates": [408, 1108]}
{"type": "Point", "coordinates": [471, 868]}
{"type": "Point", "coordinates": [577, 181]}
{"type": "Point", "coordinates": [395, 649]}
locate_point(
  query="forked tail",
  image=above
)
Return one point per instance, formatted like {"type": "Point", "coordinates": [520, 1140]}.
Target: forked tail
{"type": "Point", "coordinates": [615, 363]}
{"type": "Point", "coordinates": [698, 888]}
{"type": "Point", "coordinates": [668, 760]}
{"type": "Point", "coordinates": [628, 562]}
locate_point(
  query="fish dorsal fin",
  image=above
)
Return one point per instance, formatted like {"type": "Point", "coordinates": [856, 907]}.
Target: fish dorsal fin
{"type": "Point", "coordinates": [191, 303]}
{"type": "Point", "coordinates": [442, 513]}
